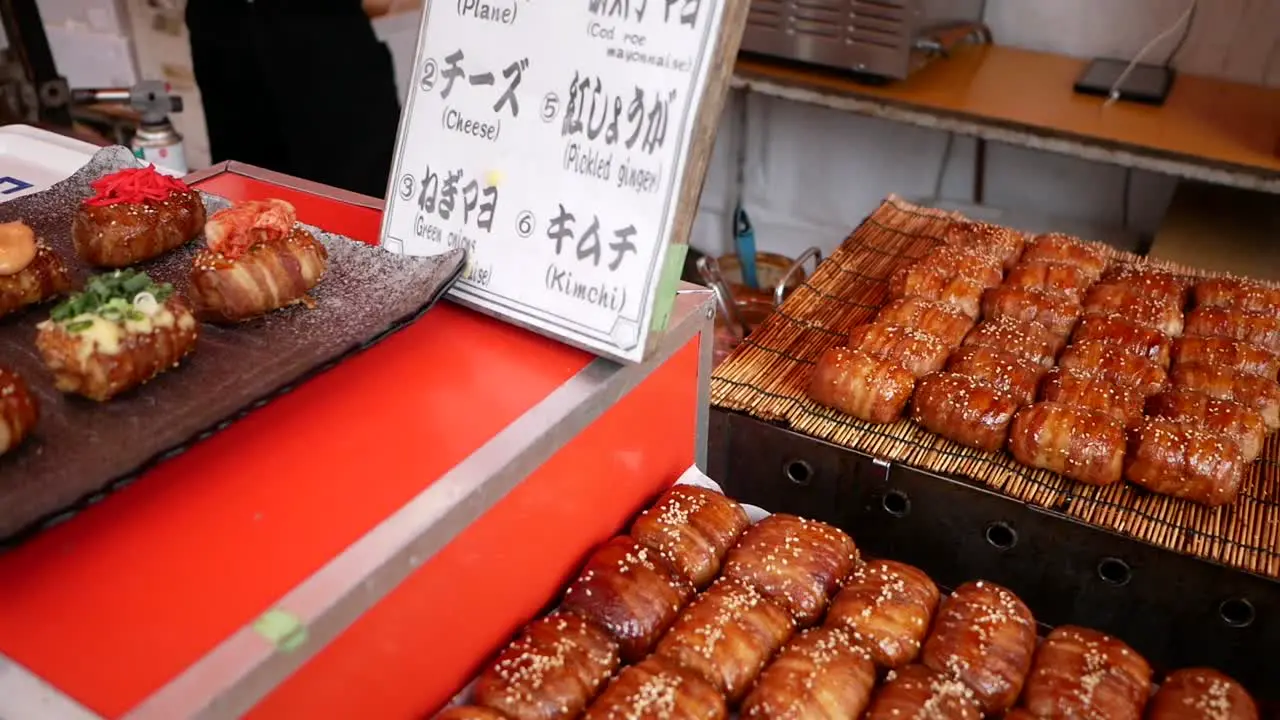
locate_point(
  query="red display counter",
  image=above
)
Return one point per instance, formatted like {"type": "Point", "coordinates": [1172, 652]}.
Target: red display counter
{"type": "Point", "coordinates": [357, 547]}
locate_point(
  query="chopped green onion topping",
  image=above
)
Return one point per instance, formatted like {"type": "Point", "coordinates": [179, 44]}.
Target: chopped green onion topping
{"type": "Point", "coordinates": [110, 296]}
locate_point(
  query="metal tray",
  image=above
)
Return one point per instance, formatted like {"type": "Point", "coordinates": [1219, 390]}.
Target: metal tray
{"type": "Point", "coordinates": [1176, 610]}
{"type": "Point", "coordinates": [81, 450]}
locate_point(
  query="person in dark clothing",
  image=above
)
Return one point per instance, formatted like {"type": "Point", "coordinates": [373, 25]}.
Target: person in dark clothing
{"type": "Point", "coordinates": [302, 87]}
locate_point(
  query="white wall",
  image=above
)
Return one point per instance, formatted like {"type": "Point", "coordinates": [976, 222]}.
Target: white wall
{"type": "Point", "coordinates": [89, 44]}
{"type": "Point", "coordinates": [812, 174]}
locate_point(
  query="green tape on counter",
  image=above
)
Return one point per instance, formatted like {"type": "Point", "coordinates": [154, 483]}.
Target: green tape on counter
{"type": "Point", "coordinates": [281, 628]}
{"type": "Point", "coordinates": [665, 299]}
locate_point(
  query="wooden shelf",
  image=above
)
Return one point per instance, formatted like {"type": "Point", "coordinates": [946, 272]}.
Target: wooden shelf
{"type": "Point", "coordinates": [1219, 132]}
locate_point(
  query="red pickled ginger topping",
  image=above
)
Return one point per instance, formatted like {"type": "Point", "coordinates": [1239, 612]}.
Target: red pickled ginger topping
{"type": "Point", "coordinates": [134, 186]}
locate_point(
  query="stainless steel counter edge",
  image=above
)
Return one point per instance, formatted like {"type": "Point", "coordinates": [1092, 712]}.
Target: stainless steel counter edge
{"type": "Point", "coordinates": [254, 172]}
{"type": "Point", "coordinates": [245, 668]}
{"type": "Point", "coordinates": [1028, 138]}
{"type": "Point", "coordinates": [24, 696]}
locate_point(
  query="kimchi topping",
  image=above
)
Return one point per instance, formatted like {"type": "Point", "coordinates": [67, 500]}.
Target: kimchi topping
{"type": "Point", "coordinates": [231, 232]}
{"type": "Point", "coordinates": [135, 186]}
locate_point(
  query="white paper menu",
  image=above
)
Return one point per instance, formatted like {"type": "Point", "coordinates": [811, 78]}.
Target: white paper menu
{"type": "Point", "coordinates": [549, 138]}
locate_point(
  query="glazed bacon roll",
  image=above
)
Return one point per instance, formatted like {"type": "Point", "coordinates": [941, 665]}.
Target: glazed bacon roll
{"type": "Point", "coordinates": [1058, 314]}
{"type": "Point", "coordinates": [1237, 293]}
{"type": "Point", "coordinates": [1228, 353]}
{"type": "Point", "coordinates": [1172, 459]}
{"type": "Point", "coordinates": [691, 528]}
{"type": "Point", "coordinates": [258, 259]}
{"type": "Point", "coordinates": [1199, 693]}
{"type": "Point", "coordinates": [1256, 393]}
{"type": "Point", "coordinates": [19, 411]}
{"type": "Point", "coordinates": [631, 592]}
{"type": "Point", "coordinates": [1256, 328]}
{"type": "Point", "coordinates": [1113, 364]}
{"type": "Point", "coordinates": [123, 330]}
{"type": "Point", "coordinates": [964, 262]}
{"type": "Point", "coordinates": [983, 636]}
{"type": "Point", "coordinates": [1083, 445]}
{"type": "Point", "coordinates": [136, 215]}
{"type": "Point", "coordinates": [552, 671]}
{"type": "Point", "coordinates": [1082, 673]}
{"type": "Point", "coordinates": [657, 689]}
{"type": "Point", "coordinates": [1004, 371]}
{"type": "Point", "coordinates": [938, 285]}
{"type": "Point", "coordinates": [819, 674]}
{"type": "Point", "coordinates": [1001, 243]}
{"type": "Point", "coordinates": [1057, 279]}
{"type": "Point", "coordinates": [917, 693]}
{"type": "Point", "coordinates": [727, 635]}
{"type": "Point", "coordinates": [1090, 392]}
{"type": "Point", "coordinates": [1149, 281]}
{"type": "Point", "coordinates": [794, 562]}
{"type": "Point", "coordinates": [886, 607]}
{"type": "Point", "coordinates": [469, 712]}
{"type": "Point", "coordinates": [1028, 340]}
{"type": "Point", "coordinates": [1134, 338]}
{"type": "Point", "coordinates": [1197, 410]}
{"type": "Point", "coordinates": [937, 319]}
{"type": "Point", "coordinates": [1156, 312]}
{"type": "Point", "coordinates": [964, 409]}
{"type": "Point", "coordinates": [919, 352]}
{"type": "Point", "coordinates": [30, 272]}
{"type": "Point", "coordinates": [860, 385]}
{"type": "Point", "coordinates": [1059, 248]}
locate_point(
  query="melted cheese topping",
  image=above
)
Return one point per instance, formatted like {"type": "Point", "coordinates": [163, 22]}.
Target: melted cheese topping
{"type": "Point", "coordinates": [107, 337]}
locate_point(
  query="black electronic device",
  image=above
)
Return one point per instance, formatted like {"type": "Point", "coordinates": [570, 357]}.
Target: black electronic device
{"type": "Point", "coordinates": [1145, 83]}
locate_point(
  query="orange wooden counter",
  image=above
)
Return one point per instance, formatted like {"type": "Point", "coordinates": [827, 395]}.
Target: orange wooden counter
{"type": "Point", "coordinates": [359, 546]}
{"type": "Point", "coordinates": [1217, 131]}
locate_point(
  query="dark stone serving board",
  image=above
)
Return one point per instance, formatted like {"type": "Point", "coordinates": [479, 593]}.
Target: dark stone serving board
{"type": "Point", "coordinates": [81, 448]}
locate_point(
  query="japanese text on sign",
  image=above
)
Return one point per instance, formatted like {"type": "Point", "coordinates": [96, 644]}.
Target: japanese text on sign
{"type": "Point", "coordinates": [549, 138]}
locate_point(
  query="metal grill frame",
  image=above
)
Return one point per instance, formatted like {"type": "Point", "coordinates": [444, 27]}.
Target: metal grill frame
{"type": "Point", "coordinates": [1177, 610]}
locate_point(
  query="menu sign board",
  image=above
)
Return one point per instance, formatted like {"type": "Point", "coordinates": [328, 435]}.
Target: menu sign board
{"type": "Point", "coordinates": [563, 143]}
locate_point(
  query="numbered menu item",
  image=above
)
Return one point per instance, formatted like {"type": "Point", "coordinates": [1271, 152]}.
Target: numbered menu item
{"type": "Point", "coordinates": [136, 214]}
{"type": "Point", "coordinates": [558, 144]}
{"type": "Point", "coordinates": [257, 259]}
{"type": "Point", "coordinates": [30, 271]}
{"type": "Point", "coordinates": [122, 330]}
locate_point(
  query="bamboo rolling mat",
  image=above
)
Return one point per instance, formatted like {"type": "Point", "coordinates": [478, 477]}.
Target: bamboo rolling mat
{"type": "Point", "coordinates": [767, 378]}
